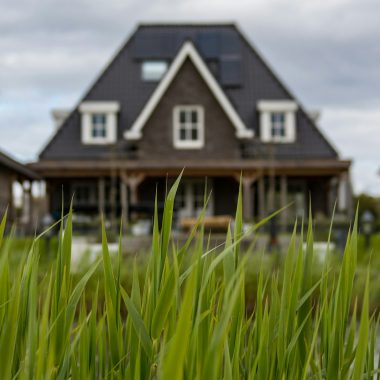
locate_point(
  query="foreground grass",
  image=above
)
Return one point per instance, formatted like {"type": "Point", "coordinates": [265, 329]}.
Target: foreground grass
{"type": "Point", "coordinates": [188, 317]}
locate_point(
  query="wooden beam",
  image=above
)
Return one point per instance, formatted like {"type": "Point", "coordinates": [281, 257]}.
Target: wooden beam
{"type": "Point", "coordinates": [284, 197]}
{"type": "Point", "coordinates": [101, 195]}
{"type": "Point", "coordinates": [261, 198]}
{"type": "Point", "coordinates": [124, 202]}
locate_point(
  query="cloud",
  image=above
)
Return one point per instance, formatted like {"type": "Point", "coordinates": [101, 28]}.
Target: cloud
{"type": "Point", "coordinates": [327, 52]}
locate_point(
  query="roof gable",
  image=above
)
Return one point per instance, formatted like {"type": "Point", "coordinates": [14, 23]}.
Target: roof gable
{"type": "Point", "coordinates": [121, 81]}
{"type": "Point", "coordinates": [188, 51]}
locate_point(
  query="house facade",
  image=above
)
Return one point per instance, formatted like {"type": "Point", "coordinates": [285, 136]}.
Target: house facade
{"type": "Point", "coordinates": [197, 97]}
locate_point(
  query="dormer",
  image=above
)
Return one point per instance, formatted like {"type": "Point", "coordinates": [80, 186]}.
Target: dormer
{"type": "Point", "coordinates": [277, 121]}
{"type": "Point", "coordinates": [99, 122]}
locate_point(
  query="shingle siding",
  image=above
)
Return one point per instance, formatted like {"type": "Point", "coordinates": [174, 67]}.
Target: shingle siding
{"type": "Point", "coordinates": [121, 81]}
{"type": "Point", "coordinates": [188, 88]}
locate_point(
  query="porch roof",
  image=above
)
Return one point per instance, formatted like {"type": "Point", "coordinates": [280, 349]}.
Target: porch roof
{"type": "Point", "coordinates": [21, 170]}
{"type": "Point", "coordinates": [91, 168]}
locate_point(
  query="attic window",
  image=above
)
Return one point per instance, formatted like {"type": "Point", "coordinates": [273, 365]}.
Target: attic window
{"type": "Point", "coordinates": [153, 71]}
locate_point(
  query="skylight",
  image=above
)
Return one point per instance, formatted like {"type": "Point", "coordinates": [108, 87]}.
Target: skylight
{"type": "Point", "coordinates": [153, 71]}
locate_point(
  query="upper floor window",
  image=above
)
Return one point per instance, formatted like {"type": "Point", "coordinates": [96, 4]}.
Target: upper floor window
{"type": "Point", "coordinates": [153, 71]}
{"type": "Point", "coordinates": [99, 125]}
{"type": "Point", "coordinates": [278, 127]}
{"type": "Point", "coordinates": [99, 122]}
{"type": "Point", "coordinates": [188, 127]}
{"type": "Point", "coordinates": [277, 121]}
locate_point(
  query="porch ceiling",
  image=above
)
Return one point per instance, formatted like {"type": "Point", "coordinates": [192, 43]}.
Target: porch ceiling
{"type": "Point", "coordinates": [90, 168]}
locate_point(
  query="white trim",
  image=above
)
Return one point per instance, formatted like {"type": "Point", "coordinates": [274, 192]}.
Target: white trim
{"type": "Point", "coordinates": [277, 106]}
{"type": "Point", "coordinates": [194, 144]}
{"type": "Point", "coordinates": [188, 51]}
{"type": "Point", "coordinates": [95, 106]}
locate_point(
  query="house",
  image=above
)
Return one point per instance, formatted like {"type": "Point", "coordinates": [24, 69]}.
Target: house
{"type": "Point", "coordinates": [11, 172]}
{"type": "Point", "coordinates": [199, 97]}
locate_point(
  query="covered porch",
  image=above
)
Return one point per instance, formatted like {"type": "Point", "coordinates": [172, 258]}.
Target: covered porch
{"type": "Point", "coordinates": [128, 188]}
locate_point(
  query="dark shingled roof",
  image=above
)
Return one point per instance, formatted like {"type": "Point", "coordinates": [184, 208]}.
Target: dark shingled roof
{"type": "Point", "coordinates": [243, 75]}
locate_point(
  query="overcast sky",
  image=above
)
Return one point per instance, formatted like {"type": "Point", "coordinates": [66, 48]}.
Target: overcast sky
{"type": "Point", "coordinates": [326, 52]}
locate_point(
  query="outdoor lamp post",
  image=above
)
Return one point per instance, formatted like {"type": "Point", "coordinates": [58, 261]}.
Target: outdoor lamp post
{"type": "Point", "coordinates": [367, 222]}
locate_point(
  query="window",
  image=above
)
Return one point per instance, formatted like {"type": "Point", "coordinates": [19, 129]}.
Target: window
{"type": "Point", "coordinates": [153, 71]}
{"type": "Point", "coordinates": [99, 122]}
{"type": "Point", "coordinates": [188, 123]}
{"type": "Point", "coordinates": [99, 125]}
{"type": "Point", "coordinates": [85, 193]}
{"type": "Point", "coordinates": [277, 124]}
{"type": "Point", "coordinates": [277, 120]}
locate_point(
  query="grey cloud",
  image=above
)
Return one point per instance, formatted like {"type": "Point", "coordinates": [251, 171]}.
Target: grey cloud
{"type": "Point", "coordinates": [326, 51]}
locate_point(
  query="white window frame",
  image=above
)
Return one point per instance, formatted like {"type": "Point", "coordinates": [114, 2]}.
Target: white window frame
{"type": "Point", "coordinates": [188, 144]}
{"type": "Point", "coordinates": [266, 109]}
{"type": "Point", "coordinates": [109, 110]}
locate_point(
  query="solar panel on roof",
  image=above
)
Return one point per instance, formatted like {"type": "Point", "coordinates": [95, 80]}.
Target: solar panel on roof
{"type": "Point", "coordinates": [154, 45]}
{"type": "Point", "coordinates": [230, 44]}
{"type": "Point", "coordinates": [230, 71]}
{"type": "Point", "coordinates": [208, 44]}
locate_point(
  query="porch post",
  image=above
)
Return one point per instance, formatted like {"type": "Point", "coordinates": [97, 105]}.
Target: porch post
{"type": "Point", "coordinates": [284, 198]}
{"type": "Point", "coordinates": [134, 182]}
{"type": "Point", "coordinates": [26, 204]}
{"type": "Point", "coordinates": [343, 193]}
{"type": "Point", "coordinates": [12, 209]}
{"type": "Point", "coordinates": [124, 200]}
{"type": "Point", "coordinates": [350, 205]}
{"type": "Point", "coordinates": [101, 195]}
{"type": "Point", "coordinates": [332, 194]}
{"type": "Point", "coordinates": [261, 197]}
{"type": "Point", "coordinates": [248, 197]}
{"type": "Point", "coordinates": [271, 193]}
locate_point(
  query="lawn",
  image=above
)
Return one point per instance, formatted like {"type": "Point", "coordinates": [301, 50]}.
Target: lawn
{"type": "Point", "coordinates": [188, 311]}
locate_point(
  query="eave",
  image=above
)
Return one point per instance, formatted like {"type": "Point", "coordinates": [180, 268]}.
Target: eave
{"type": "Point", "coordinates": [93, 168]}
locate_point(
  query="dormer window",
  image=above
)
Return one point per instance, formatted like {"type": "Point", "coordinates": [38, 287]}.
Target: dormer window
{"type": "Point", "coordinates": [278, 127]}
{"type": "Point", "coordinates": [153, 71]}
{"type": "Point", "coordinates": [99, 122]}
{"type": "Point", "coordinates": [99, 125]}
{"type": "Point", "coordinates": [188, 127]}
{"type": "Point", "coordinates": [277, 121]}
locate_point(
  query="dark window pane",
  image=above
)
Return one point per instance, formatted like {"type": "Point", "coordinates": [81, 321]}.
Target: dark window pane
{"type": "Point", "coordinates": [182, 117]}
{"type": "Point", "coordinates": [99, 119]}
{"type": "Point", "coordinates": [194, 134]}
{"type": "Point", "coordinates": [278, 117]}
{"type": "Point", "coordinates": [194, 116]}
{"type": "Point", "coordinates": [182, 134]}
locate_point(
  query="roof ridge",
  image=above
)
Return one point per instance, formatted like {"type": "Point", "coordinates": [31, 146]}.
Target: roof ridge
{"type": "Point", "coordinates": [187, 24]}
